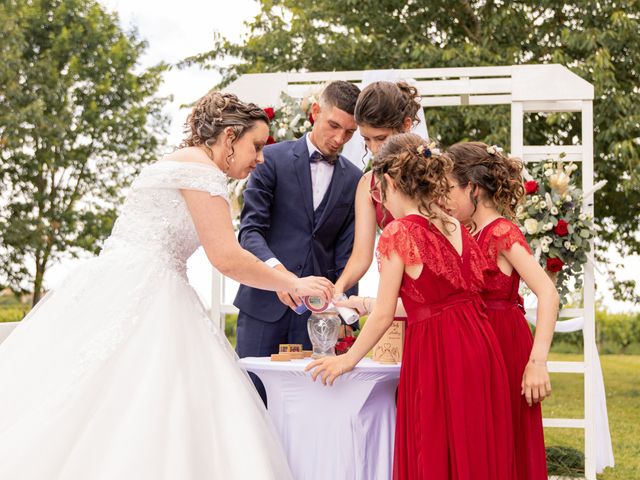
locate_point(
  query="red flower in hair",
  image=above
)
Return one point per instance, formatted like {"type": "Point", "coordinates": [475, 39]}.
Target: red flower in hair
{"type": "Point", "coordinates": [270, 112]}
{"type": "Point", "coordinates": [530, 187]}
{"type": "Point", "coordinates": [311, 118]}
{"type": "Point", "coordinates": [270, 140]}
{"type": "Point", "coordinates": [554, 264]}
{"type": "Point", "coordinates": [561, 228]}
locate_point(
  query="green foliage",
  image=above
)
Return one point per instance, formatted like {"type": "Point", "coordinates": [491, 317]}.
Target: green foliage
{"type": "Point", "coordinates": [618, 331]}
{"type": "Point", "coordinates": [78, 119]}
{"type": "Point", "coordinates": [598, 40]}
{"type": "Point", "coordinates": [12, 314]}
{"type": "Point", "coordinates": [615, 333]}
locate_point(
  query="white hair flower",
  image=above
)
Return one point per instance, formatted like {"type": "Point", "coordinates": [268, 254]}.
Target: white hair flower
{"type": "Point", "coordinates": [494, 150]}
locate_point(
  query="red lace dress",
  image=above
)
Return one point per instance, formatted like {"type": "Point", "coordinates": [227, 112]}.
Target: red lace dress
{"type": "Point", "coordinates": [453, 420]}
{"type": "Point", "coordinates": [506, 314]}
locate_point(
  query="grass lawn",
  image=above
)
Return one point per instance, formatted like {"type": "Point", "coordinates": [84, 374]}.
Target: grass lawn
{"type": "Point", "coordinates": [622, 383]}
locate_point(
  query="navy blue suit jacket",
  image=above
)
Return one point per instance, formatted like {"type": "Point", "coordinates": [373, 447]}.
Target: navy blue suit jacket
{"type": "Point", "coordinates": [278, 221]}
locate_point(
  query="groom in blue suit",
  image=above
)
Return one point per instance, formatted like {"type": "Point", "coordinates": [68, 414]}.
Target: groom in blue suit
{"type": "Point", "coordinates": [298, 216]}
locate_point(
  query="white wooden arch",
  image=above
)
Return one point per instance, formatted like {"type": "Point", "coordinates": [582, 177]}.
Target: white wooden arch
{"type": "Point", "coordinates": [528, 89]}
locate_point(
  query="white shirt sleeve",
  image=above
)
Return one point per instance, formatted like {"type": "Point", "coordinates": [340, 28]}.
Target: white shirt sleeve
{"type": "Point", "coordinates": [273, 262]}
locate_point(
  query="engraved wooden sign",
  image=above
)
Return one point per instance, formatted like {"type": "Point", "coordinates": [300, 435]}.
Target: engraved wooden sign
{"type": "Point", "coordinates": [389, 347]}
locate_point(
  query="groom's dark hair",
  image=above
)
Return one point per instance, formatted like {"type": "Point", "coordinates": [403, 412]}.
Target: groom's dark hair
{"type": "Point", "coordinates": [340, 94]}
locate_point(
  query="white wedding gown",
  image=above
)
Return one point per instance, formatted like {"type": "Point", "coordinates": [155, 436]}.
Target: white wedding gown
{"type": "Point", "coordinates": [118, 374]}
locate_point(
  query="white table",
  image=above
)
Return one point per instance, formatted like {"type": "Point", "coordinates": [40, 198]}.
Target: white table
{"type": "Point", "coordinates": [345, 431]}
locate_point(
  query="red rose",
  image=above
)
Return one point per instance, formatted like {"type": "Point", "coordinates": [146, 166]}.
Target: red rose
{"type": "Point", "coordinates": [311, 118]}
{"type": "Point", "coordinates": [270, 140]}
{"type": "Point", "coordinates": [270, 112]}
{"type": "Point", "coordinates": [349, 340]}
{"type": "Point", "coordinates": [561, 228]}
{"type": "Point", "coordinates": [342, 347]}
{"type": "Point", "coordinates": [554, 264]}
{"type": "Point", "coordinates": [530, 187]}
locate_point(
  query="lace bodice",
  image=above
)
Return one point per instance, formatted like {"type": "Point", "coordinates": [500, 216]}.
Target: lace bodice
{"type": "Point", "coordinates": [155, 218]}
{"type": "Point", "coordinates": [445, 273]}
{"type": "Point", "coordinates": [499, 236]}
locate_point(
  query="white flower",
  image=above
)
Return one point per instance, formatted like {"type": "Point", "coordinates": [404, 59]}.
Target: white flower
{"type": "Point", "coordinates": [519, 209]}
{"type": "Point", "coordinates": [295, 120]}
{"type": "Point", "coordinates": [531, 225]}
{"type": "Point", "coordinates": [567, 244]}
{"type": "Point", "coordinates": [554, 211]}
{"type": "Point", "coordinates": [545, 248]}
{"type": "Point", "coordinates": [547, 166]}
{"type": "Point", "coordinates": [548, 172]}
{"type": "Point", "coordinates": [582, 217]}
{"type": "Point", "coordinates": [535, 199]}
{"type": "Point", "coordinates": [302, 129]}
{"type": "Point", "coordinates": [282, 132]}
{"type": "Point", "coordinates": [546, 239]}
{"type": "Point", "coordinates": [547, 227]}
{"type": "Point", "coordinates": [307, 124]}
{"type": "Point", "coordinates": [574, 167]}
{"type": "Point", "coordinates": [542, 205]}
{"type": "Point", "coordinates": [573, 248]}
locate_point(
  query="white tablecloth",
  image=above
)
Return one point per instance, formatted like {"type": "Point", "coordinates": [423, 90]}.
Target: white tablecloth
{"type": "Point", "coordinates": [340, 432]}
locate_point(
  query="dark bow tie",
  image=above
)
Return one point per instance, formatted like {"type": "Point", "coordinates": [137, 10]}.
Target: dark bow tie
{"type": "Point", "coordinates": [319, 157]}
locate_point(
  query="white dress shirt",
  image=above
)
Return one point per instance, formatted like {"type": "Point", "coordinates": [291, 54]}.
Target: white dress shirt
{"type": "Point", "coordinates": [321, 173]}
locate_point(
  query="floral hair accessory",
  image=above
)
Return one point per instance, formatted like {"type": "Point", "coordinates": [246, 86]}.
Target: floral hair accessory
{"type": "Point", "coordinates": [427, 151]}
{"type": "Point", "coordinates": [494, 150]}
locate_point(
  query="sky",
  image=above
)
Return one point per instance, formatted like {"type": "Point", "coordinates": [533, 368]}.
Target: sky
{"type": "Point", "coordinates": [176, 30]}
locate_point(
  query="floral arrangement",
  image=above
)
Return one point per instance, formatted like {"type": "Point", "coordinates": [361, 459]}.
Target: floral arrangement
{"type": "Point", "coordinates": [554, 224]}
{"type": "Point", "coordinates": [288, 122]}
{"type": "Point", "coordinates": [344, 344]}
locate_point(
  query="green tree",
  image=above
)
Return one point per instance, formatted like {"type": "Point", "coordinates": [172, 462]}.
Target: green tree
{"type": "Point", "coordinates": [596, 39]}
{"type": "Point", "coordinates": [78, 119]}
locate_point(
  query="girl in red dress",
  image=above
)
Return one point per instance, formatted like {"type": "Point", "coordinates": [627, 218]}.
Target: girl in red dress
{"type": "Point", "coordinates": [453, 420]}
{"type": "Point", "coordinates": [486, 187]}
{"type": "Point", "coordinates": [383, 109]}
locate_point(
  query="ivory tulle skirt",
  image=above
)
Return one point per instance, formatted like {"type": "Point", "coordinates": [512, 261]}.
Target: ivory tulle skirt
{"type": "Point", "coordinates": [118, 374]}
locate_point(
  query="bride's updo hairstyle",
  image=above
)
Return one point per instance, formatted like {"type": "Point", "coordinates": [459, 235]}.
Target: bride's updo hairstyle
{"type": "Point", "coordinates": [418, 170]}
{"type": "Point", "coordinates": [485, 166]}
{"type": "Point", "coordinates": [387, 104]}
{"type": "Point", "coordinates": [216, 111]}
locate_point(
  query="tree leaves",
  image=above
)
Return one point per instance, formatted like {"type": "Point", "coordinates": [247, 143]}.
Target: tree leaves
{"type": "Point", "coordinates": [78, 119]}
{"type": "Point", "coordinates": [597, 39]}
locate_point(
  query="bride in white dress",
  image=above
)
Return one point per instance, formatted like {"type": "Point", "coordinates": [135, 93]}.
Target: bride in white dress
{"type": "Point", "coordinates": [118, 373]}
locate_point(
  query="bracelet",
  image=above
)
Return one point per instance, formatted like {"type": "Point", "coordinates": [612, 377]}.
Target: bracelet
{"type": "Point", "coordinates": [364, 307]}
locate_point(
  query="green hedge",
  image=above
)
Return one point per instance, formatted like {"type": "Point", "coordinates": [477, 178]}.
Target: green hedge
{"type": "Point", "coordinates": [13, 314]}
{"type": "Point", "coordinates": [615, 333]}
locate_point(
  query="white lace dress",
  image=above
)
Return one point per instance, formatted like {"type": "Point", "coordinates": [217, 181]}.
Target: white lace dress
{"type": "Point", "coordinates": [119, 374]}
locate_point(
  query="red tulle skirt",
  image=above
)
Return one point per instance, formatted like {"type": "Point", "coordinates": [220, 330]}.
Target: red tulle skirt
{"type": "Point", "coordinates": [454, 418]}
